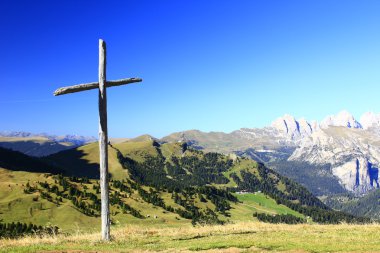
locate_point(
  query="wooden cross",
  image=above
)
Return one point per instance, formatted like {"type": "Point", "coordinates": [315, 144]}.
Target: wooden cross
{"type": "Point", "coordinates": [103, 135]}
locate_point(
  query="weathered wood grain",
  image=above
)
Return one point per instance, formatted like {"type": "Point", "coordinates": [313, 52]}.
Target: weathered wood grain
{"type": "Point", "coordinates": [103, 143]}
{"type": "Point", "coordinates": [94, 85]}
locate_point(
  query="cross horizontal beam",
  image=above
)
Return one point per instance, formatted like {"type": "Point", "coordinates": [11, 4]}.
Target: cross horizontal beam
{"type": "Point", "coordinates": [94, 85]}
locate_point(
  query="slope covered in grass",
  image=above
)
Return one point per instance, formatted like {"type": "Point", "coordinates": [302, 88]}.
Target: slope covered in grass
{"type": "Point", "coordinates": [154, 184]}
{"type": "Point", "coordinates": [84, 162]}
{"type": "Point", "coordinates": [17, 161]}
{"type": "Point", "coordinates": [239, 237]}
{"type": "Point", "coordinates": [367, 206]}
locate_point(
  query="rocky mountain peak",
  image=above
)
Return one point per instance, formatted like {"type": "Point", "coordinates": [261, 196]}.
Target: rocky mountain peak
{"type": "Point", "coordinates": [286, 124]}
{"type": "Point", "coordinates": [370, 119]}
{"type": "Point", "coordinates": [343, 118]}
{"type": "Point", "coordinates": [305, 127]}
{"type": "Point", "coordinates": [293, 128]}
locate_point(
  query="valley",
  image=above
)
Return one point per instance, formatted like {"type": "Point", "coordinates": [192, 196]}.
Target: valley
{"type": "Point", "coordinates": [335, 157]}
{"type": "Point", "coordinates": [196, 179]}
{"type": "Point", "coordinates": [152, 184]}
{"type": "Point", "coordinates": [183, 126]}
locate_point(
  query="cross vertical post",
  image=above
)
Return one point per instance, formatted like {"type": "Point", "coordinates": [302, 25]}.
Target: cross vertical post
{"type": "Point", "coordinates": [103, 132]}
{"type": "Point", "coordinates": [103, 143]}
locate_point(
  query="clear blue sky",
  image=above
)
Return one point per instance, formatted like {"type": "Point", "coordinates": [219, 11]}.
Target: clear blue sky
{"type": "Point", "coordinates": [208, 65]}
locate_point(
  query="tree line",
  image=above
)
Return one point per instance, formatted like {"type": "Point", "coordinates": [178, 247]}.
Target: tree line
{"type": "Point", "coordinates": [294, 196]}
{"type": "Point", "coordinates": [18, 229]}
{"type": "Point", "coordinates": [279, 218]}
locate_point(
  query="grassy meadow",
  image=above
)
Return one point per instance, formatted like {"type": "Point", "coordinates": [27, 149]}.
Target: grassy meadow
{"type": "Point", "coordinates": [238, 237]}
{"type": "Point", "coordinates": [160, 230]}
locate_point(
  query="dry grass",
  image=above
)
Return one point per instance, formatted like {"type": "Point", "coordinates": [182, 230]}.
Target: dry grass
{"type": "Point", "coordinates": [247, 236]}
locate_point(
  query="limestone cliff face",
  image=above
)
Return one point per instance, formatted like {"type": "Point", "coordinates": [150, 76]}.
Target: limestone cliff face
{"type": "Point", "coordinates": [354, 155]}
{"type": "Point", "coordinates": [358, 175]}
{"type": "Point", "coordinates": [293, 129]}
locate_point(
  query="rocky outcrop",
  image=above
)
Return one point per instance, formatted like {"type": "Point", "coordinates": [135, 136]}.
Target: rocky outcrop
{"type": "Point", "coordinates": [344, 119]}
{"type": "Point", "coordinates": [293, 129]}
{"type": "Point", "coordinates": [354, 155]}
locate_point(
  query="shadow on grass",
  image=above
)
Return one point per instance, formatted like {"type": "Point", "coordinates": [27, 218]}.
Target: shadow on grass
{"type": "Point", "coordinates": [17, 161]}
{"type": "Point", "coordinates": [72, 163]}
{"type": "Point", "coordinates": [209, 235]}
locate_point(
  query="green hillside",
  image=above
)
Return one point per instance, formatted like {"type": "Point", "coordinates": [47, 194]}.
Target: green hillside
{"type": "Point", "coordinates": [366, 206]}
{"type": "Point", "coordinates": [151, 183]}
{"type": "Point", "coordinates": [84, 162]}
{"type": "Point", "coordinates": [17, 161]}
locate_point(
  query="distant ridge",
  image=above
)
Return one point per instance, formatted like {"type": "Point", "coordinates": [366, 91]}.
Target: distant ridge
{"type": "Point", "coordinates": [165, 183]}
{"type": "Point", "coordinates": [340, 141]}
{"type": "Point", "coordinates": [42, 144]}
{"type": "Point", "coordinates": [339, 155]}
{"type": "Point", "coordinates": [77, 140]}
{"type": "Point", "coordinates": [145, 137]}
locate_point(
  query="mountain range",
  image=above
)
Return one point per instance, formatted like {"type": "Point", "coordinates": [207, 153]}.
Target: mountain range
{"type": "Point", "coordinates": [347, 149]}
{"type": "Point", "coordinates": [334, 158]}
{"type": "Point", "coordinates": [41, 144]}
{"type": "Point", "coordinates": [151, 183]}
